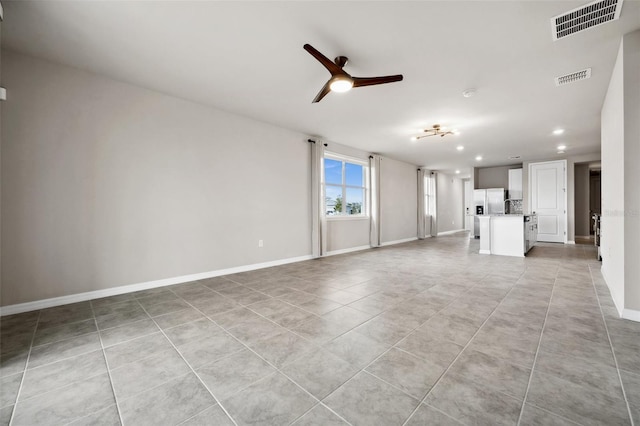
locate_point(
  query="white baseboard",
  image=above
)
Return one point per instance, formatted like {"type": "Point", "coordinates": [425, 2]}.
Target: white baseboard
{"type": "Point", "coordinates": [631, 314]}
{"type": "Point", "coordinates": [347, 250]}
{"type": "Point", "coordinates": [405, 240]}
{"type": "Point", "coordinates": [114, 291]}
{"type": "Point", "coordinates": [570, 242]}
{"type": "Point", "coordinates": [484, 252]}
{"type": "Point", "coordinates": [455, 231]}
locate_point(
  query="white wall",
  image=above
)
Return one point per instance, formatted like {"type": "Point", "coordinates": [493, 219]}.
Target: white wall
{"type": "Point", "coordinates": [450, 203]}
{"type": "Point", "coordinates": [612, 240]}
{"type": "Point", "coordinates": [620, 175]}
{"type": "Point", "coordinates": [106, 184]}
{"type": "Point", "coordinates": [398, 200]}
{"type": "Point", "coordinates": [632, 171]}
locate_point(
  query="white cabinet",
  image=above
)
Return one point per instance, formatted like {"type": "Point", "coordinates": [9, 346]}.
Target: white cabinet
{"type": "Point", "coordinates": [515, 184]}
{"type": "Point", "coordinates": [530, 232]}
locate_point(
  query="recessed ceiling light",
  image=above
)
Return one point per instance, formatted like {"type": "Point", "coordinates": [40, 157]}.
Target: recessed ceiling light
{"type": "Point", "coordinates": [457, 172]}
{"type": "Point", "coordinates": [469, 93]}
{"type": "Point", "coordinates": [562, 147]}
{"type": "Point", "coordinates": [558, 131]}
{"type": "Point", "coordinates": [413, 139]}
{"type": "Point", "coordinates": [479, 157]}
{"type": "Point", "coordinates": [460, 148]}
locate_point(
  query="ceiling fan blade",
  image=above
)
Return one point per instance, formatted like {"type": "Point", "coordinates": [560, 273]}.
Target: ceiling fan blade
{"type": "Point", "coordinates": [328, 63]}
{"type": "Point", "coordinates": [322, 93]}
{"type": "Point", "coordinates": [371, 81]}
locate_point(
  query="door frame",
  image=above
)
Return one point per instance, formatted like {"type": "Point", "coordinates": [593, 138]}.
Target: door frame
{"type": "Point", "coordinates": [566, 206]}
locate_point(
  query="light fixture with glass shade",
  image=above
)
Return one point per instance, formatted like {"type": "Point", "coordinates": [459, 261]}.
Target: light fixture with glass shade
{"type": "Point", "coordinates": [341, 84]}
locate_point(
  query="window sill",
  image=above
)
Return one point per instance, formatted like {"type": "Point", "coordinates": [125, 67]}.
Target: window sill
{"type": "Point", "coordinates": [353, 217]}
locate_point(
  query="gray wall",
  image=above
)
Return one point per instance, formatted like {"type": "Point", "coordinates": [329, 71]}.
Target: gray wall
{"type": "Point", "coordinates": [106, 184]}
{"type": "Point", "coordinates": [494, 177]}
{"type": "Point", "coordinates": [582, 184]}
{"type": "Point", "coordinates": [398, 206]}
{"type": "Point", "coordinates": [631, 43]}
{"type": "Point", "coordinates": [398, 200]}
{"type": "Point", "coordinates": [347, 233]}
{"type": "Point", "coordinates": [450, 203]}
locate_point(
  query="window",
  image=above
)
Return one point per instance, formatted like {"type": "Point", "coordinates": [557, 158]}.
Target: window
{"type": "Point", "coordinates": [344, 186]}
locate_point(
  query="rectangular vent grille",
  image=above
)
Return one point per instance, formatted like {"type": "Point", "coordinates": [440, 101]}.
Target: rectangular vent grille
{"type": "Point", "coordinates": [573, 77]}
{"type": "Point", "coordinates": [584, 17]}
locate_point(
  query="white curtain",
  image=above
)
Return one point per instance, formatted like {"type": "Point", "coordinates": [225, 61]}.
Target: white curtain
{"type": "Point", "coordinates": [318, 221]}
{"type": "Point", "coordinates": [423, 228]}
{"type": "Point", "coordinates": [432, 192]}
{"type": "Point", "coordinates": [374, 199]}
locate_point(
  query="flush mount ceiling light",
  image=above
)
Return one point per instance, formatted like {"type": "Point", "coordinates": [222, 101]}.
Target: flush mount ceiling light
{"type": "Point", "coordinates": [341, 84]}
{"type": "Point", "coordinates": [436, 130]}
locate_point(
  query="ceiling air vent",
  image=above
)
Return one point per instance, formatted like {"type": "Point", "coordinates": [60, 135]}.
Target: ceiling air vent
{"type": "Point", "coordinates": [584, 17]}
{"type": "Point", "coordinates": [573, 77]}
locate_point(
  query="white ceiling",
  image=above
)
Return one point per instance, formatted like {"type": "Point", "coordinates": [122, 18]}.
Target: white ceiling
{"type": "Point", "coordinates": [247, 58]}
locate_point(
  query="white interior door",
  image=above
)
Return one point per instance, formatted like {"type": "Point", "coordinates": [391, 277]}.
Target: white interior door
{"type": "Point", "coordinates": [547, 191]}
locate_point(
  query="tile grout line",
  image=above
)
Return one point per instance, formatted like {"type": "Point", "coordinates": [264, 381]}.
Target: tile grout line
{"type": "Point", "coordinates": [573, 422]}
{"type": "Point", "coordinates": [187, 363]}
{"type": "Point", "coordinates": [106, 361]}
{"type": "Point", "coordinates": [259, 356]}
{"type": "Point", "coordinates": [24, 372]}
{"type": "Point", "coordinates": [613, 352]}
{"type": "Point", "coordinates": [465, 347]}
{"type": "Point", "coordinates": [363, 369]}
{"type": "Point", "coordinates": [535, 358]}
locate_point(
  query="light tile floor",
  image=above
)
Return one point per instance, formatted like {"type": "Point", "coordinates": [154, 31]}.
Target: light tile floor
{"type": "Point", "coordinates": [427, 332]}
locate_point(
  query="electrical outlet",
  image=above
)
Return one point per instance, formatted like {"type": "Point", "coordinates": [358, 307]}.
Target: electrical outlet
{"type": "Point", "coordinates": [260, 243]}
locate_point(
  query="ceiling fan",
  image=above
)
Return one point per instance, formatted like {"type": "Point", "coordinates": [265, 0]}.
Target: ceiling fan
{"type": "Point", "coordinates": [340, 80]}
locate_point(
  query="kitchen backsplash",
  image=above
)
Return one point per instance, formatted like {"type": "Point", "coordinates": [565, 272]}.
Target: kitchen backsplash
{"type": "Point", "coordinates": [514, 207]}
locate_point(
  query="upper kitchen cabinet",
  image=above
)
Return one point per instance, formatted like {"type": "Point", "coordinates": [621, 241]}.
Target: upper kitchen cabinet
{"type": "Point", "coordinates": [515, 184]}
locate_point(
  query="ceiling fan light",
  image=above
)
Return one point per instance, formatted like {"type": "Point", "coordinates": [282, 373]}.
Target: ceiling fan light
{"type": "Point", "coordinates": [341, 84]}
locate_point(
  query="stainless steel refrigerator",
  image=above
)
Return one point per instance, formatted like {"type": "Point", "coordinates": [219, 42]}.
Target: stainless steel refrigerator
{"type": "Point", "coordinates": [487, 201]}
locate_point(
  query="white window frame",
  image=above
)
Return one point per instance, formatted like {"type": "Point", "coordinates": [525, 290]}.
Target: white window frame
{"type": "Point", "coordinates": [365, 186]}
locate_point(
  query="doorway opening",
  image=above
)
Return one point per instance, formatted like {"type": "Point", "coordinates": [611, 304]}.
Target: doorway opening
{"type": "Point", "coordinates": [587, 200]}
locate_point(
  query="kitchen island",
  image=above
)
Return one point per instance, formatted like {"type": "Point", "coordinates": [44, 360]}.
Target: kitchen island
{"type": "Point", "coordinates": [508, 235]}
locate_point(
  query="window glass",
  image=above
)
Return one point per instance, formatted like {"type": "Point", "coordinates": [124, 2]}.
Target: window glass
{"type": "Point", "coordinates": [355, 175]}
{"type": "Point", "coordinates": [355, 201]}
{"type": "Point", "coordinates": [333, 199]}
{"type": "Point", "coordinates": [333, 171]}
{"type": "Point", "coordinates": [344, 187]}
